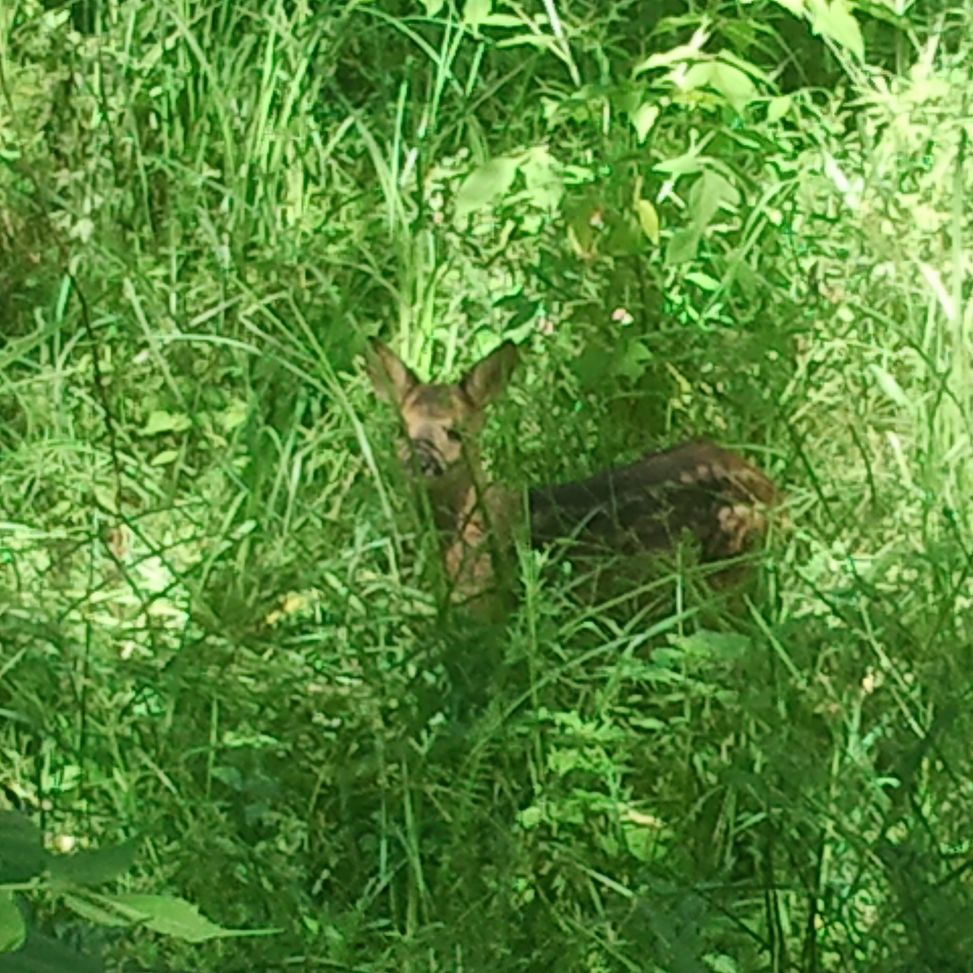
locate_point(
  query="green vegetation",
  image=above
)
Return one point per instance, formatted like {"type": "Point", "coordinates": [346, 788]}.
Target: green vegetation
{"type": "Point", "coordinates": [223, 671]}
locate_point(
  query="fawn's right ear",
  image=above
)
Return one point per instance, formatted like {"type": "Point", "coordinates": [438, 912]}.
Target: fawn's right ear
{"type": "Point", "coordinates": [391, 378]}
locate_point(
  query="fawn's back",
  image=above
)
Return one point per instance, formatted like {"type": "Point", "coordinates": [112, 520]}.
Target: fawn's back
{"type": "Point", "coordinates": [644, 507]}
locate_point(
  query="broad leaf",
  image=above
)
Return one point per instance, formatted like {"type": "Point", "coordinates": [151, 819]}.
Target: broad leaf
{"type": "Point", "coordinates": [485, 184]}
{"type": "Point", "coordinates": [648, 219]}
{"type": "Point", "coordinates": [682, 246]}
{"type": "Point", "coordinates": [41, 954]}
{"type": "Point", "coordinates": [176, 917]}
{"type": "Point", "coordinates": [13, 929]}
{"type": "Point", "coordinates": [94, 866]}
{"type": "Point", "coordinates": [476, 11]}
{"type": "Point", "coordinates": [710, 193]}
{"type": "Point", "coordinates": [22, 855]}
{"type": "Point", "coordinates": [643, 118]}
{"type": "Point", "coordinates": [835, 21]}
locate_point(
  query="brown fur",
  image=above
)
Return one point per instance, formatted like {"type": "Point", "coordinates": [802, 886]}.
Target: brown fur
{"type": "Point", "coordinates": [644, 507]}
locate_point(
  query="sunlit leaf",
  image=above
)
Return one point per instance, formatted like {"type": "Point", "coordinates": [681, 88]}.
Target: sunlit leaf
{"type": "Point", "coordinates": [703, 281]}
{"type": "Point", "coordinates": [433, 6]}
{"type": "Point", "coordinates": [648, 219]}
{"type": "Point", "coordinates": [886, 381]}
{"type": "Point", "coordinates": [710, 193]}
{"type": "Point", "coordinates": [485, 184]}
{"type": "Point", "coordinates": [643, 118]}
{"type": "Point", "coordinates": [164, 458]}
{"type": "Point", "coordinates": [542, 177]}
{"type": "Point", "coordinates": [835, 21]}
{"type": "Point", "coordinates": [160, 422]}
{"type": "Point", "coordinates": [476, 11]}
{"type": "Point", "coordinates": [796, 7]}
{"type": "Point", "coordinates": [732, 83]}
{"type": "Point", "coordinates": [777, 108]}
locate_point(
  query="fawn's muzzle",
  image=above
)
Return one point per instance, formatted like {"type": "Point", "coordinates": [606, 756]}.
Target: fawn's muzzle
{"type": "Point", "coordinates": [422, 455]}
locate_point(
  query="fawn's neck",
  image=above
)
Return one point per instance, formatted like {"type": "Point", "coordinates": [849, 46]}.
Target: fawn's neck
{"type": "Point", "coordinates": [472, 520]}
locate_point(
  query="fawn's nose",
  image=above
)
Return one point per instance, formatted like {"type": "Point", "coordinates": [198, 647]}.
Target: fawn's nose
{"type": "Point", "coordinates": [422, 455]}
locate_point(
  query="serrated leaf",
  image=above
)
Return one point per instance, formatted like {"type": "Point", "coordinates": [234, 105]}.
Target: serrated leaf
{"type": "Point", "coordinates": [160, 422]}
{"type": "Point", "coordinates": [22, 855]}
{"type": "Point", "coordinates": [643, 118]}
{"type": "Point", "coordinates": [172, 916]}
{"type": "Point", "coordinates": [101, 910]}
{"type": "Point", "coordinates": [94, 866]}
{"type": "Point", "coordinates": [777, 108]}
{"type": "Point", "coordinates": [648, 219]}
{"type": "Point", "coordinates": [485, 184]}
{"type": "Point", "coordinates": [13, 929]}
{"type": "Point", "coordinates": [835, 21]}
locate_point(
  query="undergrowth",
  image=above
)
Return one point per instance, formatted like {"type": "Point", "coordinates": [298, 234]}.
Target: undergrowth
{"type": "Point", "coordinates": [221, 649]}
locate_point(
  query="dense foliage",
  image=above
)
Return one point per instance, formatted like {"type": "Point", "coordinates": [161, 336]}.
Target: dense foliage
{"type": "Point", "coordinates": [237, 732]}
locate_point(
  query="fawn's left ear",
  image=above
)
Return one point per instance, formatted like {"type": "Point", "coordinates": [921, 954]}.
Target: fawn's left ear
{"type": "Point", "coordinates": [391, 378]}
{"type": "Point", "coordinates": [487, 379]}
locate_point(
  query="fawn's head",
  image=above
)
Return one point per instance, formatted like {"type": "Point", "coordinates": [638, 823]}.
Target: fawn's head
{"type": "Point", "coordinates": [441, 421]}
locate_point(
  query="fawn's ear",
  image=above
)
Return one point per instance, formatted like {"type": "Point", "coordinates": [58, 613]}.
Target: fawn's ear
{"type": "Point", "coordinates": [488, 377]}
{"type": "Point", "coordinates": [391, 378]}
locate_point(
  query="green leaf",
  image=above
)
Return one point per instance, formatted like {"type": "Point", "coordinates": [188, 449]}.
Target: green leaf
{"type": "Point", "coordinates": [164, 458]}
{"type": "Point", "coordinates": [160, 422]}
{"type": "Point", "coordinates": [176, 917]}
{"type": "Point", "coordinates": [682, 246]}
{"type": "Point", "coordinates": [710, 193]}
{"type": "Point", "coordinates": [702, 281]}
{"type": "Point", "coordinates": [544, 184]}
{"type": "Point", "coordinates": [485, 184]}
{"type": "Point", "coordinates": [41, 954]}
{"type": "Point", "coordinates": [433, 6]}
{"type": "Point", "coordinates": [101, 910]}
{"type": "Point", "coordinates": [94, 866]}
{"type": "Point", "coordinates": [777, 108]}
{"type": "Point", "coordinates": [890, 387]}
{"type": "Point", "coordinates": [13, 929]}
{"type": "Point", "coordinates": [648, 219]}
{"type": "Point", "coordinates": [476, 11]}
{"type": "Point", "coordinates": [835, 21]}
{"type": "Point", "coordinates": [796, 7]}
{"type": "Point", "coordinates": [732, 83]}
{"type": "Point", "coordinates": [22, 855]}
{"type": "Point", "coordinates": [643, 118]}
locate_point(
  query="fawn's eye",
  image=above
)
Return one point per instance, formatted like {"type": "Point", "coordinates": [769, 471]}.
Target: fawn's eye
{"type": "Point", "coordinates": [454, 435]}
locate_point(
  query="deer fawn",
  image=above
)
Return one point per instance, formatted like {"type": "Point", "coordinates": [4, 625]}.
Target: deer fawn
{"type": "Point", "coordinates": [640, 508]}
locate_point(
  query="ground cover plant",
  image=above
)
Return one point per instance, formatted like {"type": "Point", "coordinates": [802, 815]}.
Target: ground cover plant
{"type": "Point", "coordinates": [238, 731]}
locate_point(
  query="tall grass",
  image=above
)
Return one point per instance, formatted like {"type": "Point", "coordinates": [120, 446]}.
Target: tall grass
{"type": "Point", "coordinates": [219, 622]}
